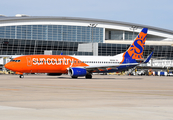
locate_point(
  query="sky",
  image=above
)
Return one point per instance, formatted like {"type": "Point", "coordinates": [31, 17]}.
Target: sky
{"type": "Point", "coordinates": [156, 13]}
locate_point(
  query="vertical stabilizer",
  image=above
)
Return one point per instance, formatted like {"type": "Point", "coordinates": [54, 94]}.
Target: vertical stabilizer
{"type": "Point", "coordinates": [135, 51]}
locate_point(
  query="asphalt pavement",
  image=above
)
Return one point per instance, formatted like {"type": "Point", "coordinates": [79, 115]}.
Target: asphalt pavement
{"type": "Point", "coordinates": [105, 97]}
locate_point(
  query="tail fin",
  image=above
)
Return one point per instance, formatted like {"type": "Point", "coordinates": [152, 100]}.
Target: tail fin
{"type": "Point", "coordinates": [136, 49]}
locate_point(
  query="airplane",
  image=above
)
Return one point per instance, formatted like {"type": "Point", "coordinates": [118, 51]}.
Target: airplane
{"type": "Point", "coordinates": [81, 66]}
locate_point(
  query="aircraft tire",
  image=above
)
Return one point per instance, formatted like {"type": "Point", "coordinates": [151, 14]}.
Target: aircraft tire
{"type": "Point", "coordinates": [73, 77]}
{"type": "Point", "coordinates": [21, 76]}
{"type": "Point", "coordinates": [88, 76]}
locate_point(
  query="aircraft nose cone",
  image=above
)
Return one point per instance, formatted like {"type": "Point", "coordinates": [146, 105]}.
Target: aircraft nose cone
{"type": "Point", "coordinates": [7, 66]}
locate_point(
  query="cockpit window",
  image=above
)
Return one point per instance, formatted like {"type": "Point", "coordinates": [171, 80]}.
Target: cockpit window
{"type": "Point", "coordinates": [15, 61]}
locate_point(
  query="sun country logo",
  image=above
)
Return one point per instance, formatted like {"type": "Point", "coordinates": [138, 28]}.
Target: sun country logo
{"type": "Point", "coordinates": [136, 49]}
{"type": "Point", "coordinates": [52, 61]}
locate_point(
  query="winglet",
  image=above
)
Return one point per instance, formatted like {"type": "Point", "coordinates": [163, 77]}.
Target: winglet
{"type": "Point", "coordinates": [149, 57]}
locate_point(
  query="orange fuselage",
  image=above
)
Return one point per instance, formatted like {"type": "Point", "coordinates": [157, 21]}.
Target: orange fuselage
{"type": "Point", "coordinates": [44, 64]}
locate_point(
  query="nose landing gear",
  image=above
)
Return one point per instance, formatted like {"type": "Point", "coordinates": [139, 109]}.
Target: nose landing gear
{"type": "Point", "coordinates": [20, 74]}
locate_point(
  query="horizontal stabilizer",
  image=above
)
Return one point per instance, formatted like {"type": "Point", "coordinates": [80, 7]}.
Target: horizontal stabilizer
{"type": "Point", "coordinates": [149, 57]}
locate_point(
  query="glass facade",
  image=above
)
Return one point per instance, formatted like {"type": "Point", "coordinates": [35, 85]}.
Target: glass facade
{"type": "Point", "coordinates": [35, 39]}
{"type": "Point", "coordinates": [71, 53]}
{"type": "Point", "coordinates": [127, 35]}
{"type": "Point", "coordinates": [29, 47]}
{"type": "Point", "coordinates": [53, 33]}
{"type": "Point", "coordinates": [116, 35]}
{"type": "Point", "coordinates": [111, 49]}
{"type": "Point", "coordinates": [160, 52]}
{"type": "Point", "coordinates": [130, 35]}
{"type": "Point", "coordinates": [121, 35]}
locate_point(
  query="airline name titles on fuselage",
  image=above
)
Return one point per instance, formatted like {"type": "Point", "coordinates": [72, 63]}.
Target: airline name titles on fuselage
{"type": "Point", "coordinates": [53, 61]}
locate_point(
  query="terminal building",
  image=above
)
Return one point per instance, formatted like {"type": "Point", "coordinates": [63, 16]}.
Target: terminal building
{"type": "Point", "coordinates": [27, 35]}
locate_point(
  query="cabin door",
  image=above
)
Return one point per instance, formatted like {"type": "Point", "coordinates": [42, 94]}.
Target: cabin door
{"type": "Point", "coordinates": [29, 61]}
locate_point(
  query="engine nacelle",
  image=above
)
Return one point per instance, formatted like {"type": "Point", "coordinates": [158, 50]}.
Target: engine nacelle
{"type": "Point", "coordinates": [54, 74]}
{"type": "Point", "coordinates": [77, 72]}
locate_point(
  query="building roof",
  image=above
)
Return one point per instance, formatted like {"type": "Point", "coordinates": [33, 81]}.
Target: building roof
{"type": "Point", "coordinates": [5, 19]}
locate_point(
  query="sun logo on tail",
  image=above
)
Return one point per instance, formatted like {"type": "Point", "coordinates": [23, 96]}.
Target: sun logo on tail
{"type": "Point", "coordinates": [136, 49]}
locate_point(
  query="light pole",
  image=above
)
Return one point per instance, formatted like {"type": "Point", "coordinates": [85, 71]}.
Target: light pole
{"type": "Point", "coordinates": [133, 28]}
{"type": "Point", "coordinates": [92, 25]}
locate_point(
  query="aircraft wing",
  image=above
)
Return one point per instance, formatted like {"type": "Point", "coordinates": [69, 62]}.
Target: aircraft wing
{"type": "Point", "coordinates": [105, 67]}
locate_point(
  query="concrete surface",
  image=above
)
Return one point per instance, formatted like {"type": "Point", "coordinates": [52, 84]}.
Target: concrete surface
{"type": "Point", "coordinates": [111, 97]}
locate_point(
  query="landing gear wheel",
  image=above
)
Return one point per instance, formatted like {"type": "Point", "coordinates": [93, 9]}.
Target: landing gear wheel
{"type": "Point", "coordinates": [73, 77]}
{"type": "Point", "coordinates": [21, 76]}
{"type": "Point", "coordinates": [88, 76]}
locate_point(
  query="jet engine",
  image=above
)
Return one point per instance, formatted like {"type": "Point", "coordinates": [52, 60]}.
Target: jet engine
{"type": "Point", "coordinates": [77, 72]}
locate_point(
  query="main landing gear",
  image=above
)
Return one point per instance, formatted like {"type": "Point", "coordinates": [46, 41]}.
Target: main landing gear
{"type": "Point", "coordinates": [88, 76]}
{"type": "Point", "coordinates": [74, 77]}
{"type": "Point", "coordinates": [21, 76]}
